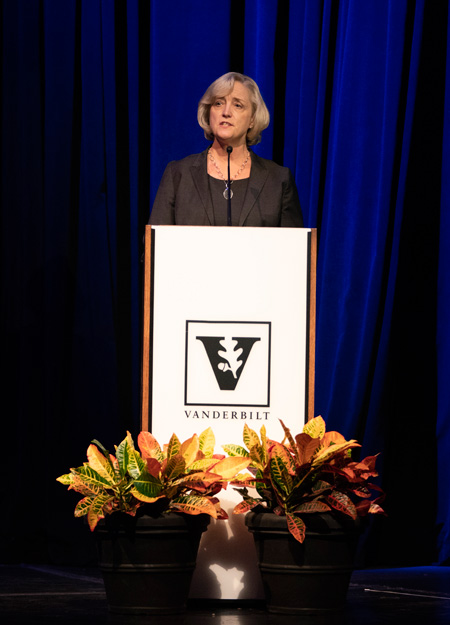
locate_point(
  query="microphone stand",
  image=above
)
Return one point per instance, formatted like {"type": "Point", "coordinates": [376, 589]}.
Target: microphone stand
{"type": "Point", "coordinates": [229, 150]}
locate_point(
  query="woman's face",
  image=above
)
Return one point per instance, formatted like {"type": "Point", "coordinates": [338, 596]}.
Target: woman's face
{"type": "Point", "coordinates": [231, 116]}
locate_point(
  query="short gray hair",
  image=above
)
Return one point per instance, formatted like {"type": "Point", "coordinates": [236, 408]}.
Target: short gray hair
{"type": "Point", "coordinates": [222, 87]}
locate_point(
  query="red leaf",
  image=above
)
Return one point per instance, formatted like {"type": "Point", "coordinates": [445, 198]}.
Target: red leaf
{"type": "Point", "coordinates": [343, 503]}
{"type": "Point", "coordinates": [296, 527]}
{"type": "Point", "coordinates": [153, 467]}
{"type": "Point", "coordinates": [312, 506]}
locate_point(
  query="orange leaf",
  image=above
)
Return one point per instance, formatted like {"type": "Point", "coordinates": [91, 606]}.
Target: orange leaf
{"type": "Point", "coordinates": [306, 447]}
{"type": "Point", "coordinates": [148, 445]}
{"type": "Point", "coordinates": [244, 506]}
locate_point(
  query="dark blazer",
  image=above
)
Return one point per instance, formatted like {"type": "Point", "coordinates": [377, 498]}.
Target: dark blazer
{"type": "Point", "coordinates": [183, 196]}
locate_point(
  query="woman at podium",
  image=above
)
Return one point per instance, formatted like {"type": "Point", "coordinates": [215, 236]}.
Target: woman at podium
{"type": "Point", "coordinates": [228, 184]}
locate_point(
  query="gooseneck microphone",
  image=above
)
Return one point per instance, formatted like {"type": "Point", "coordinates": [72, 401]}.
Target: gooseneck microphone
{"type": "Point", "coordinates": [229, 150]}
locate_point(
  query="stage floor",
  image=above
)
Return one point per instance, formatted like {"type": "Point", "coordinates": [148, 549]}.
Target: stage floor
{"type": "Point", "coordinates": [47, 594]}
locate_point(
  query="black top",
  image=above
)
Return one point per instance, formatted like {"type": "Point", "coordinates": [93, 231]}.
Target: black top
{"type": "Point", "coordinates": [184, 195]}
{"type": "Point", "coordinates": [220, 204]}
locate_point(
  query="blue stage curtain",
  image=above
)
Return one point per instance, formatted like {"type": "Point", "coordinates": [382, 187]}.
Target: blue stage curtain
{"type": "Point", "coordinates": [97, 96]}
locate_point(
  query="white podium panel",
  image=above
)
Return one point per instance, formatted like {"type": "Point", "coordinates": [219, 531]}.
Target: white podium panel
{"type": "Point", "coordinates": [228, 339]}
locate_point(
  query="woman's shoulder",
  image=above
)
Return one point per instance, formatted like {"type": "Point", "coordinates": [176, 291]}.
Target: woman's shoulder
{"type": "Point", "coordinates": [188, 161]}
{"type": "Point", "coordinates": [272, 167]}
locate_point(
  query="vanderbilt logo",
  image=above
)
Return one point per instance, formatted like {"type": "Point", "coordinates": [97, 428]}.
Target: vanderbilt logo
{"type": "Point", "coordinates": [227, 363]}
{"type": "Point", "coordinates": [227, 357]}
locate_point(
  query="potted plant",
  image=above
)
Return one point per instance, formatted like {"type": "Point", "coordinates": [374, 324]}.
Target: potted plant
{"type": "Point", "coordinates": [310, 495]}
{"type": "Point", "coordinates": [149, 507]}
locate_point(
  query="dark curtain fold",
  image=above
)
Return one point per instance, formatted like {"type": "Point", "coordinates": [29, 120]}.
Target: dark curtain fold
{"type": "Point", "coordinates": [97, 97]}
{"type": "Point", "coordinates": [443, 334]}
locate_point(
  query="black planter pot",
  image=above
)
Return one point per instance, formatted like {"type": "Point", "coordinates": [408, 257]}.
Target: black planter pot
{"type": "Point", "coordinates": [147, 563]}
{"type": "Point", "coordinates": [304, 578]}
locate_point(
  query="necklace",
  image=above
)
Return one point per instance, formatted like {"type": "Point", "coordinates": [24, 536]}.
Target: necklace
{"type": "Point", "coordinates": [228, 193]}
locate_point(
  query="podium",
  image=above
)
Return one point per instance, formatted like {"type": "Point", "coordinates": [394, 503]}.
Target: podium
{"type": "Point", "coordinates": [228, 340]}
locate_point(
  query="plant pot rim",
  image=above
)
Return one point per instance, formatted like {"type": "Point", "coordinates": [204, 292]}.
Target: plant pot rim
{"type": "Point", "coordinates": [316, 522]}
{"type": "Point", "coordinates": [170, 519]}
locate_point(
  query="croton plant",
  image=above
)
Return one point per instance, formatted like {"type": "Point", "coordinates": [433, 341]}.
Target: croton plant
{"type": "Point", "coordinates": [311, 473]}
{"type": "Point", "coordinates": [181, 477]}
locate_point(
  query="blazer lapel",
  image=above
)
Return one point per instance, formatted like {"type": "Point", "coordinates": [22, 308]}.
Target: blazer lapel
{"type": "Point", "coordinates": [258, 176]}
{"type": "Point", "coordinates": [200, 178]}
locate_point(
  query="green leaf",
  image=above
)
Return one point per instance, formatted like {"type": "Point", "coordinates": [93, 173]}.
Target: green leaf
{"type": "Point", "coordinates": [173, 447]}
{"type": "Point", "coordinates": [90, 477]}
{"type": "Point", "coordinates": [251, 438]}
{"type": "Point", "coordinates": [291, 440]}
{"type": "Point", "coordinates": [147, 485]}
{"type": "Point", "coordinates": [235, 450]}
{"type": "Point", "coordinates": [82, 507]}
{"type": "Point", "coordinates": [96, 509]}
{"type": "Point", "coordinates": [82, 485]}
{"type": "Point", "coordinates": [175, 467]}
{"type": "Point", "coordinates": [264, 445]}
{"type": "Point", "coordinates": [258, 456]}
{"type": "Point", "coordinates": [145, 498]}
{"type": "Point", "coordinates": [122, 455]}
{"type": "Point", "coordinates": [280, 477]}
{"type": "Point", "coordinates": [281, 451]}
{"type": "Point", "coordinates": [135, 464]}
{"type": "Point", "coordinates": [66, 479]}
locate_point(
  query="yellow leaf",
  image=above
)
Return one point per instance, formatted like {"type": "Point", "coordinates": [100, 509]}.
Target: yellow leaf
{"type": "Point", "coordinates": [315, 428]}
{"type": "Point", "coordinates": [207, 442]}
{"type": "Point", "coordinates": [189, 449]}
{"type": "Point", "coordinates": [100, 464]}
{"type": "Point", "coordinates": [251, 438]}
{"type": "Point", "coordinates": [324, 454]}
{"type": "Point", "coordinates": [194, 505]}
{"type": "Point", "coordinates": [228, 467]}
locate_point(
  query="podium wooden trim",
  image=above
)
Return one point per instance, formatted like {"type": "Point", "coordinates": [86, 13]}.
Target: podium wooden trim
{"type": "Point", "coordinates": [147, 326]}
{"type": "Point", "coordinates": [312, 322]}
{"type": "Point", "coordinates": [146, 330]}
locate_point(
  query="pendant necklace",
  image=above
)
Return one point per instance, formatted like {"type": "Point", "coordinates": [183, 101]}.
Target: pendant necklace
{"type": "Point", "coordinates": [228, 193]}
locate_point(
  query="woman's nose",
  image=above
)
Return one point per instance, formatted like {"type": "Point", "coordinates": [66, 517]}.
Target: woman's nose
{"type": "Point", "coordinates": [227, 109]}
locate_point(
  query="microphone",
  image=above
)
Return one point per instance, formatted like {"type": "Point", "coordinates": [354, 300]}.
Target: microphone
{"type": "Point", "coordinates": [229, 150]}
